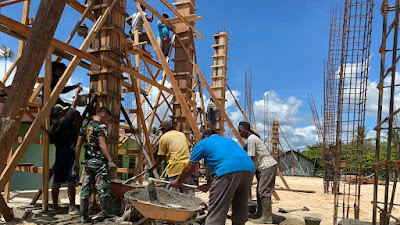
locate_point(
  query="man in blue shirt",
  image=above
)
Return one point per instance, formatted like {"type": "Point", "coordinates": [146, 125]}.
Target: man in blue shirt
{"type": "Point", "coordinates": [163, 38]}
{"type": "Point", "coordinates": [233, 172]}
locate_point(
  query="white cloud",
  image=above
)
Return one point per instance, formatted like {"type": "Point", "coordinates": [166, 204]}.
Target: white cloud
{"type": "Point", "coordinates": [286, 111]}
{"type": "Point", "coordinates": [373, 95]}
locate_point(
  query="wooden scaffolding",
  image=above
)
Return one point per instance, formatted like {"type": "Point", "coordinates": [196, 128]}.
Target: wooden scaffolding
{"type": "Point", "coordinates": [116, 66]}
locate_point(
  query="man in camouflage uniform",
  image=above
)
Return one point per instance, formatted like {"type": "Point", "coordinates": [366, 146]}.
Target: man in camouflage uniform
{"type": "Point", "coordinates": [98, 163]}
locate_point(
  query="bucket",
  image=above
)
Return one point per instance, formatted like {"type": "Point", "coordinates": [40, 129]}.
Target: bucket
{"type": "Point", "coordinates": [312, 220]}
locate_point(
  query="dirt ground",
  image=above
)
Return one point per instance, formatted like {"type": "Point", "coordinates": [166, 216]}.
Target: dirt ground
{"type": "Point", "coordinates": [320, 204]}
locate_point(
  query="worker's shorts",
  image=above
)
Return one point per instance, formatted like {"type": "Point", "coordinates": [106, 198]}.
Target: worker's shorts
{"type": "Point", "coordinates": [63, 171]}
{"type": "Point", "coordinates": [96, 173]}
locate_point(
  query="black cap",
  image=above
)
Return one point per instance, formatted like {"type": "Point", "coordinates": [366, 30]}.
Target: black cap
{"type": "Point", "coordinates": [57, 109]}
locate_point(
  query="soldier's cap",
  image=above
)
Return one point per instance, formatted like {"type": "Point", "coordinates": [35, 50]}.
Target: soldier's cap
{"type": "Point", "coordinates": [166, 125]}
{"type": "Point", "coordinates": [57, 109]}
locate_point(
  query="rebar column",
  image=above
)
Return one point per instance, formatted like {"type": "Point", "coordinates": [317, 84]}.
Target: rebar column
{"type": "Point", "coordinates": [350, 132]}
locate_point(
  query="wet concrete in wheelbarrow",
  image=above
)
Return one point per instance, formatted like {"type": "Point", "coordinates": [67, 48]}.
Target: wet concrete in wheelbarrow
{"type": "Point", "coordinates": [166, 198]}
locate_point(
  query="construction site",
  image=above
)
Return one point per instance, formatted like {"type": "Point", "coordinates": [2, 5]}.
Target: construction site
{"type": "Point", "coordinates": [115, 77]}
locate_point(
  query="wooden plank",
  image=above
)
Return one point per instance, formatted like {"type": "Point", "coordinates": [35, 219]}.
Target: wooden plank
{"type": "Point", "coordinates": [25, 20]}
{"type": "Point", "coordinates": [17, 156]}
{"type": "Point", "coordinates": [36, 92]}
{"type": "Point", "coordinates": [221, 109]}
{"type": "Point", "coordinates": [3, 87]}
{"type": "Point", "coordinates": [29, 169]}
{"type": "Point", "coordinates": [46, 139]}
{"type": "Point", "coordinates": [126, 170]}
{"type": "Point", "coordinates": [128, 152]}
{"type": "Point", "coordinates": [241, 110]}
{"type": "Point", "coordinates": [10, 3]}
{"type": "Point", "coordinates": [57, 44]}
{"type": "Point", "coordinates": [155, 12]}
{"type": "Point", "coordinates": [5, 211]}
{"type": "Point", "coordinates": [78, 24]}
{"type": "Point", "coordinates": [35, 51]}
{"type": "Point", "coordinates": [80, 8]}
{"type": "Point", "coordinates": [10, 70]}
{"type": "Point", "coordinates": [169, 6]}
{"type": "Point", "coordinates": [190, 18]}
{"type": "Point", "coordinates": [136, 87]}
{"type": "Point", "coordinates": [7, 189]}
{"type": "Point", "coordinates": [175, 87]}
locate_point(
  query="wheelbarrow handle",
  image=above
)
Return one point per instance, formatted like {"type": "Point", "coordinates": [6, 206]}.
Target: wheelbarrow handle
{"type": "Point", "coordinates": [168, 182]}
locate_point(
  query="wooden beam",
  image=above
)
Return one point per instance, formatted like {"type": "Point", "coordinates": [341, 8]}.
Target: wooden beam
{"type": "Point", "coordinates": [189, 18]}
{"type": "Point", "coordinates": [221, 109]}
{"type": "Point", "coordinates": [17, 156]}
{"type": "Point", "coordinates": [10, 3]}
{"type": "Point", "coordinates": [5, 211]}
{"type": "Point", "coordinates": [163, 20]}
{"type": "Point", "coordinates": [78, 24]}
{"type": "Point", "coordinates": [175, 87]}
{"type": "Point", "coordinates": [8, 74]}
{"type": "Point", "coordinates": [46, 139]}
{"type": "Point", "coordinates": [169, 6]}
{"type": "Point", "coordinates": [136, 87]}
{"type": "Point", "coordinates": [57, 44]}
{"type": "Point", "coordinates": [25, 20]}
{"type": "Point", "coordinates": [80, 8]}
{"type": "Point", "coordinates": [37, 46]}
{"type": "Point", "coordinates": [7, 189]}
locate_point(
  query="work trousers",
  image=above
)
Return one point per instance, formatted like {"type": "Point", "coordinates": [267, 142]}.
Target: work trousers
{"type": "Point", "coordinates": [97, 173]}
{"type": "Point", "coordinates": [231, 188]}
{"type": "Point", "coordinates": [164, 45]}
{"type": "Point", "coordinates": [266, 182]}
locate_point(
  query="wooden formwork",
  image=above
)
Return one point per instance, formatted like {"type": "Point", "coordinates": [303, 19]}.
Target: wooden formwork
{"type": "Point", "coordinates": [112, 73]}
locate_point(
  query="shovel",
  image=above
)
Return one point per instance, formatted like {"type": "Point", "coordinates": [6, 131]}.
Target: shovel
{"type": "Point", "coordinates": [293, 210]}
{"type": "Point", "coordinates": [135, 177]}
{"type": "Point", "coordinates": [151, 188]}
{"type": "Point", "coordinates": [152, 180]}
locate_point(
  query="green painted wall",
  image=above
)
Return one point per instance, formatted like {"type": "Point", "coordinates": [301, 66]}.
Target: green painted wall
{"type": "Point", "coordinates": [30, 181]}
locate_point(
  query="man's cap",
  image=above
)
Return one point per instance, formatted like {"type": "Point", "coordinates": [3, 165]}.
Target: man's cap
{"type": "Point", "coordinates": [166, 125]}
{"type": "Point", "coordinates": [165, 14]}
{"type": "Point", "coordinates": [246, 125]}
{"type": "Point", "coordinates": [57, 109]}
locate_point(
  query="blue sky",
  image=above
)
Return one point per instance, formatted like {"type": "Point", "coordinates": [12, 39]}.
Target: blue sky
{"type": "Point", "coordinates": [285, 43]}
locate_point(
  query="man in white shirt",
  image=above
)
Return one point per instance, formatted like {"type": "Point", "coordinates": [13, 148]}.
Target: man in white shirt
{"type": "Point", "coordinates": [136, 23]}
{"type": "Point", "coordinates": [266, 168]}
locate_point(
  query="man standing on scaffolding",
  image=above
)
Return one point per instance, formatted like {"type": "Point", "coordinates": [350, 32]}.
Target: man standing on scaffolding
{"type": "Point", "coordinates": [163, 39]}
{"type": "Point", "coordinates": [136, 23]}
{"type": "Point", "coordinates": [266, 168]}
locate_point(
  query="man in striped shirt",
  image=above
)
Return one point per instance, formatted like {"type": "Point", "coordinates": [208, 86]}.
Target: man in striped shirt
{"type": "Point", "coordinates": [266, 168]}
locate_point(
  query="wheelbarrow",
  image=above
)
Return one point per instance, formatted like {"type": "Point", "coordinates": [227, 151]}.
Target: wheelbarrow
{"type": "Point", "coordinates": [162, 210]}
{"type": "Point", "coordinates": [119, 187]}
